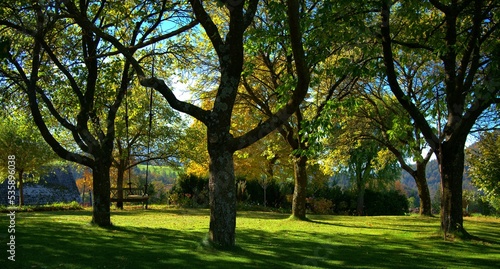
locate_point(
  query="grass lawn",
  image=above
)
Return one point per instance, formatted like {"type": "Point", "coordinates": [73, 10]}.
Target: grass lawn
{"type": "Point", "coordinates": [172, 238]}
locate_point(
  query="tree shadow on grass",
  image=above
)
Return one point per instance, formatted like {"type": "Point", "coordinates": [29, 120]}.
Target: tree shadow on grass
{"type": "Point", "coordinates": [67, 245]}
{"type": "Point", "coordinates": [489, 232]}
{"type": "Point", "coordinates": [187, 211]}
{"type": "Point", "coordinates": [407, 225]}
{"type": "Point", "coordinates": [45, 243]}
{"type": "Point", "coordinates": [295, 249]}
{"type": "Point", "coordinates": [262, 215]}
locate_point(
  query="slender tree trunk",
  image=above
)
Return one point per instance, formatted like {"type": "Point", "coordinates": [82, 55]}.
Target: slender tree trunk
{"type": "Point", "coordinates": [119, 186]}
{"type": "Point", "coordinates": [361, 200]}
{"type": "Point", "coordinates": [361, 175]}
{"type": "Point", "coordinates": [265, 195]}
{"type": "Point", "coordinates": [423, 189]}
{"type": "Point", "coordinates": [269, 177]}
{"type": "Point", "coordinates": [101, 189]}
{"type": "Point", "coordinates": [222, 188]}
{"type": "Point", "coordinates": [451, 161]}
{"type": "Point", "coordinates": [299, 192]}
{"type": "Point", "coordinates": [21, 192]}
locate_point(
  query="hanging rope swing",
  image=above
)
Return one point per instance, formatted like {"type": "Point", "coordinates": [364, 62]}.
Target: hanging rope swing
{"type": "Point", "coordinates": [136, 194]}
{"type": "Point", "coordinates": [150, 123]}
{"type": "Point", "coordinates": [131, 194]}
{"type": "Point", "coordinates": [148, 144]}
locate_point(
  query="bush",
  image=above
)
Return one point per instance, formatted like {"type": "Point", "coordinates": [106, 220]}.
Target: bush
{"type": "Point", "coordinates": [275, 193]}
{"type": "Point", "coordinates": [189, 191]}
{"type": "Point", "coordinates": [385, 203]}
{"type": "Point", "coordinates": [321, 205]}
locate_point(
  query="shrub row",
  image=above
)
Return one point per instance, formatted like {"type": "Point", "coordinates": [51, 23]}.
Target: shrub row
{"type": "Point", "coordinates": [192, 191]}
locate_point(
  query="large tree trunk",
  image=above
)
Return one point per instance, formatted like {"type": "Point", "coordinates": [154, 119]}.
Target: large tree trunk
{"type": "Point", "coordinates": [423, 189]}
{"type": "Point", "coordinates": [299, 192]}
{"type": "Point", "coordinates": [101, 189]}
{"type": "Point", "coordinates": [222, 188]}
{"type": "Point", "coordinates": [451, 161]}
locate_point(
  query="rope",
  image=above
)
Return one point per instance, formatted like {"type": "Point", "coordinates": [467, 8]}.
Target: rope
{"type": "Point", "coordinates": [149, 136]}
{"type": "Point", "coordinates": [150, 124]}
{"type": "Point", "coordinates": [127, 138]}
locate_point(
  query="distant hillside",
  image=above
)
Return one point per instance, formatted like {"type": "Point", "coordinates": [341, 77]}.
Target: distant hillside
{"type": "Point", "coordinates": [165, 174]}
{"type": "Point", "coordinates": [433, 180]}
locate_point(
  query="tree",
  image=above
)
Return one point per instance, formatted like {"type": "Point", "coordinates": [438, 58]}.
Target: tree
{"type": "Point", "coordinates": [84, 185]}
{"type": "Point", "coordinates": [227, 40]}
{"type": "Point", "coordinates": [74, 82]}
{"type": "Point", "coordinates": [484, 164]}
{"type": "Point", "coordinates": [353, 149]}
{"type": "Point", "coordinates": [20, 138]}
{"type": "Point", "coordinates": [463, 38]}
{"type": "Point", "coordinates": [334, 66]}
{"type": "Point", "coordinates": [397, 133]}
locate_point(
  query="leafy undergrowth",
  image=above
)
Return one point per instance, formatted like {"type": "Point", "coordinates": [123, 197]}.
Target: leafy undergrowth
{"type": "Point", "coordinates": [174, 238]}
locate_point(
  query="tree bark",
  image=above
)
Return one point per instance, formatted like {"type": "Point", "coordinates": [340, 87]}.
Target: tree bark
{"type": "Point", "coordinates": [361, 200]}
{"type": "Point", "coordinates": [265, 195]}
{"type": "Point", "coordinates": [423, 189]}
{"type": "Point", "coordinates": [119, 185]}
{"type": "Point", "coordinates": [451, 162]}
{"type": "Point", "coordinates": [101, 188]}
{"type": "Point", "coordinates": [299, 192]}
{"type": "Point", "coordinates": [222, 192]}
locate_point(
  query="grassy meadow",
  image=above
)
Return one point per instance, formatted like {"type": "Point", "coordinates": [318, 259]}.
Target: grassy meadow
{"type": "Point", "coordinates": [174, 238]}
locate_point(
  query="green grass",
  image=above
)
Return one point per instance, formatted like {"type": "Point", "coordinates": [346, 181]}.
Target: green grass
{"type": "Point", "coordinates": [172, 238]}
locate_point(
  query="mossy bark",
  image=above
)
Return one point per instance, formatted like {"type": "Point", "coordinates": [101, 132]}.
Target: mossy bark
{"type": "Point", "coordinates": [222, 189]}
{"type": "Point", "coordinates": [101, 192]}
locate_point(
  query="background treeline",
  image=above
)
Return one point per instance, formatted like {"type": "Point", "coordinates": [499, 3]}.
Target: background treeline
{"type": "Point", "coordinates": [192, 191]}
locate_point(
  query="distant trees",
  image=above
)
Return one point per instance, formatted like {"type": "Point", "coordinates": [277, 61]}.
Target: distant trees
{"type": "Point", "coordinates": [20, 138]}
{"type": "Point", "coordinates": [84, 185]}
{"type": "Point", "coordinates": [382, 111]}
{"type": "Point", "coordinates": [484, 165]}
{"type": "Point", "coordinates": [363, 161]}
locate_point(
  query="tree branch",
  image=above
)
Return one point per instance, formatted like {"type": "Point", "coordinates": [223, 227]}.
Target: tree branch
{"type": "Point", "coordinates": [38, 118]}
{"type": "Point", "coordinates": [392, 78]}
{"type": "Point", "coordinates": [155, 83]}
{"type": "Point", "coordinates": [209, 26]}
{"type": "Point", "coordinates": [184, 107]}
{"type": "Point", "coordinates": [300, 91]}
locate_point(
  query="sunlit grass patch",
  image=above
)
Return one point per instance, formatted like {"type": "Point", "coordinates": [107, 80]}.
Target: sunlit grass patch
{"type": "Point", "coordinates": [173, 238]}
